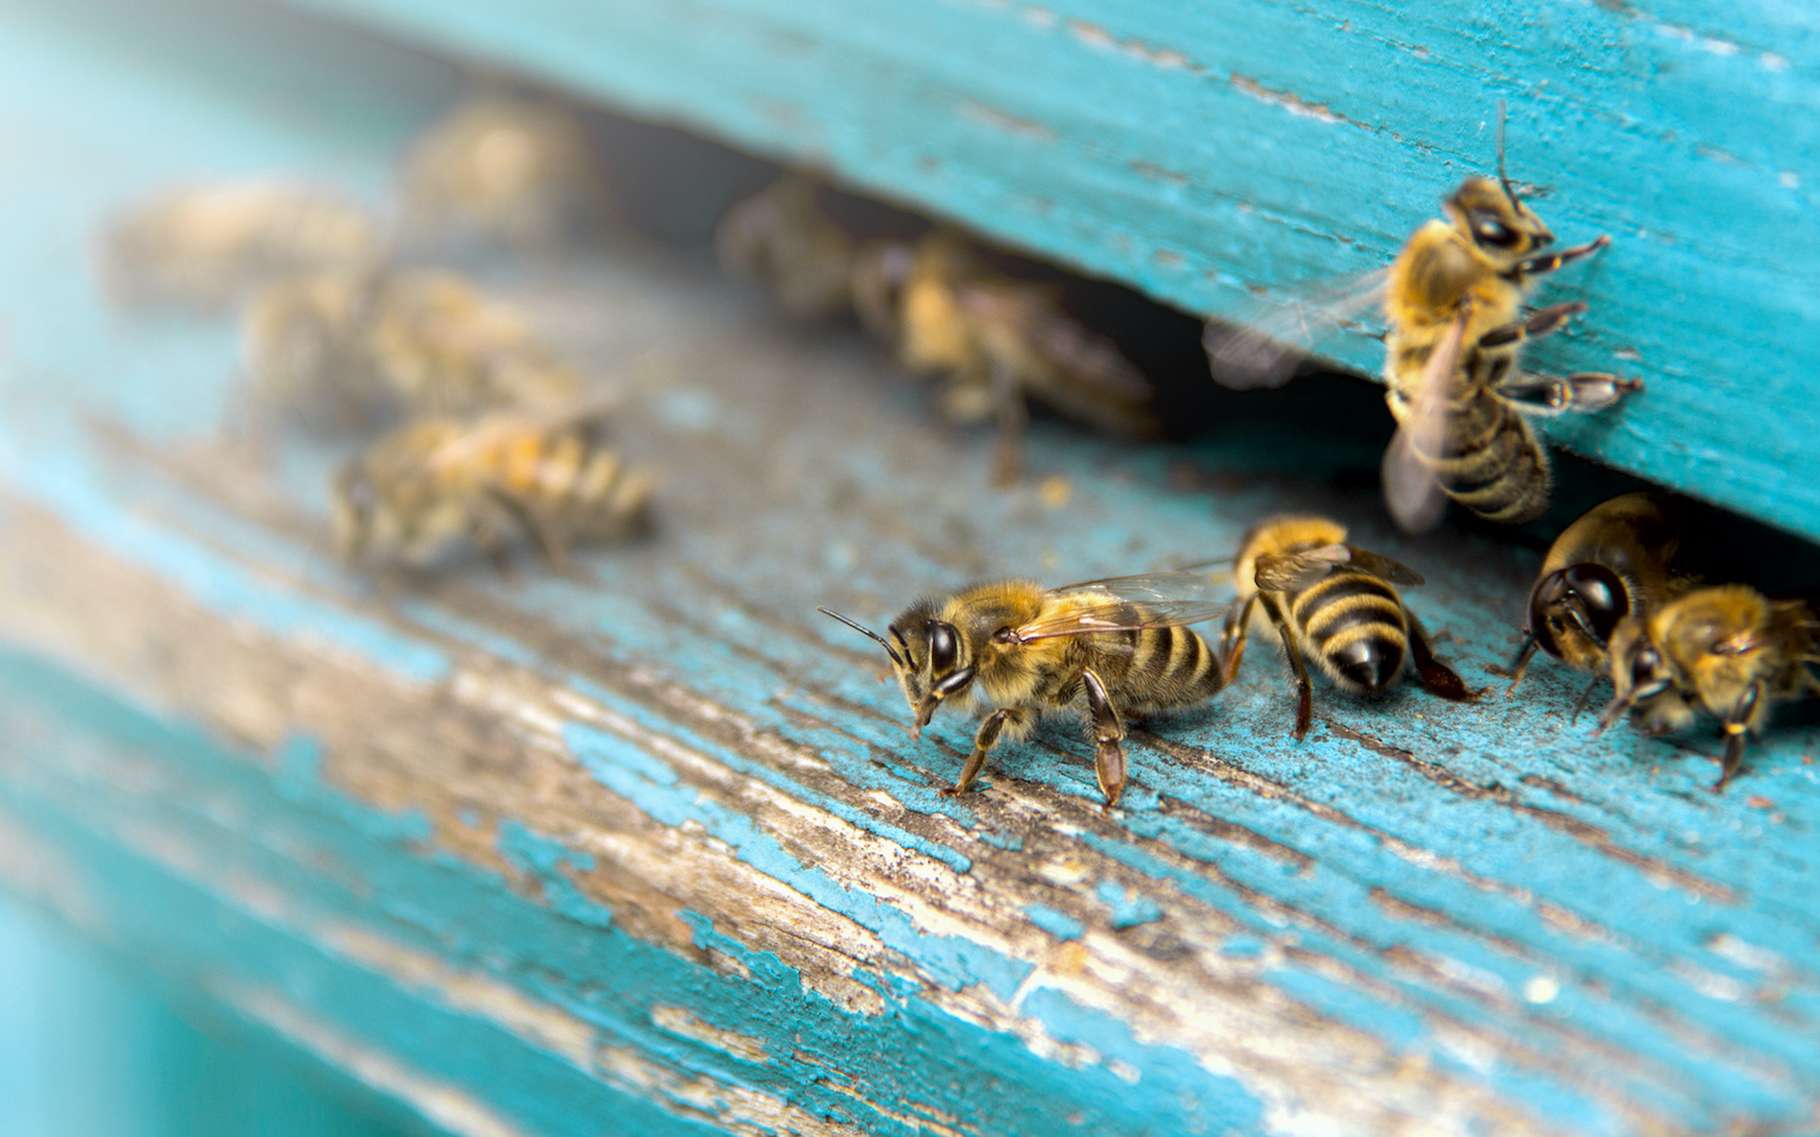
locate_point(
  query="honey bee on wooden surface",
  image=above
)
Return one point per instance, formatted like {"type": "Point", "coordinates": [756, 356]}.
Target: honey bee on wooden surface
{"type": "Point", "coordinates": [504, 171]}
{"type": "Point", "coordinates": [210, 246]}
{"type": "Point", "coordinates": [358, 348]}
{"type": "Point", "coordinates": [1454, 302]}
{"type": "Point", "coordinates": [996, 340]}
{"type": "Point", "coordinates": [438, 484]}
{"type": "Point", "coordinates": [784, 238]}
{"type": "Point", "coordinates": [1336, 604]}
{"type": "Point", "coordinates": [1618, 560]}
{"type": "Point", "coordinates": [1107, 650]}
{"type": "Point", "coordinates": [1728, 651]}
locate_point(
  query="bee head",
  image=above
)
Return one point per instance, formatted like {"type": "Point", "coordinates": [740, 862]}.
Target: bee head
{"type": "Point", "coordinates": [1580, 601]}
{"type": "Point", "coordinates": [881, 273]}
{"type": "Point", "coordinates": [929, 655]}
{"type": "Point", "coordinates": [1490, 215]}
{"type": "Point", "coordinates": [1640, 671]}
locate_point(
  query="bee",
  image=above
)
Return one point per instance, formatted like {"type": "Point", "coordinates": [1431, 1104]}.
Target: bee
{"type": "Point", "coordinates": [783, 237]}
{"type": "Point", "coordinates": [357, 348]}
{"type": "Point", "coordinates": [503, 171]}
{"type": "Point", "coordinates": [1107, 650]}
{"type": "Point", "coordinates": [420, 492]}
{"type": "Point", "coordinates": [1616, 561]}
{"type": "Point", "coordinates": [1334, 603]}
{"type": "Point", "coordinates": [208, 247]}
{"type": "Point", "coordinates": [1454, 302]}
{"type": "Point", "coordinates": [1728, 651]}
{"type": "Point", "coordinates": [996, 340]}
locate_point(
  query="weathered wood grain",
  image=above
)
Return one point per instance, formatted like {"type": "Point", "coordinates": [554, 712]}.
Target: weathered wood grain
{"type": "Point", "coordinates": [1204, 152]}
{"type": "Point", "coordinates": [649, 849]}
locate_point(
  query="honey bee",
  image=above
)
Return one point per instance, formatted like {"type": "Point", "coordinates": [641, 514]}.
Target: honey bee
{"type": "Point", "coordinates": [209, 246]}
{"type": "Point", "coordinates": [1334, 603]}
{"type": "Point", "coordinates": [425, 489]}
{"type": "Point", "coordinates": [360, 347]}
{"type": "Point", "coordinates": [782, 237]}
{"type": "Point", "coordinates": [1106, 649]}
{"type": "Point", "coordinates": [996, 340]}
{"type": "Point", "coordinates": [503, 171]}
{"type": "Point", "coordinates": [1616, 561]}
{"type": "Point", "coordinates": [1454, 302]}
{"type": "Point", "coordinates": [1728, 651]}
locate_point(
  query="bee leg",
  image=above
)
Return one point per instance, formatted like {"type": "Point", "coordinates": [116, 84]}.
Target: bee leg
{"type": "Point", "coordinates": [549, 540]}
{"type": "Point", "coordinates": [1008, 404]}
{"type": "Point", "coordinates": [1436, 677]}
{"type": "Point", "coordinates": [1519, 667]}
{"type": "Point", "coordinates": [1549, 262]}
{"type": "Point", "coordinates": [1583, 391]}
{"type": "Point", "coordinates": [1586, 695]}
{"type": "Point", "coordinates": [1108, 738]}
{"type": "Point", "coordinates": [1304, 693]}
{"type": "Point", "coordinates": [1541, 322]}
{"type": "Point", "coordinates": [1737, 729]}
{"type": "Point", "coordinates": [1232, 639]}
{"type": "Point", "coordinates": [983, 742]}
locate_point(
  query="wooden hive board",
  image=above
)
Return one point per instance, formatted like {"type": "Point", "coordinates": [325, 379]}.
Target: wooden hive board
{"type": "Point", "coordinates": [649, 852]}
{"type": "Point", "coordinates": [1207, 152]}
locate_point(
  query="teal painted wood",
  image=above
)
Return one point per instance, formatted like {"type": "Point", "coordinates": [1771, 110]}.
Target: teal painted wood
{"type": "Point", "coordinates": [652, 851]}
{"type": "Point", "coordinates": [1204, 151]}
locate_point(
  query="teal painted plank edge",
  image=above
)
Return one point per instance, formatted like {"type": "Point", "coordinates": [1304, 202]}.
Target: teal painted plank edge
{"type": "Point", "coordinates": [1204, 151]}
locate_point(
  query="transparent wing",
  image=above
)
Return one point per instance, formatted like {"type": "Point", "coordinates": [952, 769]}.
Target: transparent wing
{"type": "Point", "coordinates": [1292, 572]}
{"type": "Point", "coordinates": [1415, 499]}
{"type": "Point", "coordinates": [1132, 603]}
{"type": "Point", "coordinates": [1262, 346]}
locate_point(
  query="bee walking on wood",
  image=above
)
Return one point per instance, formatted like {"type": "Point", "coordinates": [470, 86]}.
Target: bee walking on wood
{"type": "Point", "coordinates": [1106, 650]}
{"type": "Point", "coordinates": [1618, 560]}
{"type": "Point", "coordinates": [1336, 604]}
{"type": "Point", "coordinates": [1454, 302]}
{"type": "Point", "coordinates": [549, 479]}
{"type": "Point", "coordinates": [783, 238]}
{"type": "Point", "coordinates": [209, 246]}
{"type": "Point", "coordinates": [1728, 651]}
{"type": "Point", "coordinates": [503, 171]}
{"type": "Point", "coordinates": [996, 340]}
{"type": "Point", "coordinates": [359, 348]}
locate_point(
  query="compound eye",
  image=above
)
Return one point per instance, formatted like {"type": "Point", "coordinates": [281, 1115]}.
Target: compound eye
{"type": "Point", "coordinates": [1643, 668]}
{"type": "Point", "coordinates": [1491, 231]}
{"type": "Point", "coordinates": [1602, 596]}
{"type": "Point", "coordinates": [943, 648]}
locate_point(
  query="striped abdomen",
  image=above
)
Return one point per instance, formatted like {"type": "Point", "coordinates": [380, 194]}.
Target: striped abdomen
{"type": "Point", "coordinates": [1488, 459]}
{"type": "Point", "coordinates": [1353, 626]}
{"type": "Point", "coordinates": [569, 475]}
{"type": "Point", "coordinates": [1170, 667]}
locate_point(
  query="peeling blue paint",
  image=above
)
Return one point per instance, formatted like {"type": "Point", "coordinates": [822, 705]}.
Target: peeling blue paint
{"type": "Point", "coordinates": [1058, 924]}
{"type": "Point", "coordinates": [1127, 909]}
{"type": "Point", "coordinates": [549, 863]}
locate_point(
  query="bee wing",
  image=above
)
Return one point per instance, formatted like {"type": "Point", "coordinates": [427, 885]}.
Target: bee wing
{"type": "Point", "coordinates": [1261, 347]}
{"type": "Point", "coordinates": [1415, 499]}
{"type": "Point", "coordinates": [1292, 572]}
{"type": "Point", "coordinates": [1161, 599]}
{"type": "Point", "coordinates": [1072, 367]}
{"type": "Point", "coordinates": [589, 413]}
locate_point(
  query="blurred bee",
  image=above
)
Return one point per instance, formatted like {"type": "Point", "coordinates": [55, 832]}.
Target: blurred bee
{"type": "Point", "coordinates": [1453, 300]}
{"type": "Point", "coordinates": [361, 347]}
{"type": "Point", "coordinates": [503, 171]}
{"type": "Point", "coordinates": [1105, 649]}
{"type": "Point", "coordinates": [436, 484]}
{"type": "Point", "coordinates": [1728, 651]}
{"type": "Point", "coordinates": [1334, 603]}
{"type": "Point", "coordinates": [1616, 561]}
{"type": "Point", "coordinates": [996, 340]}
{"type": "Point", "coordinates": [209, 246]}
{"type": "Point", "coordinates": [783, 238]}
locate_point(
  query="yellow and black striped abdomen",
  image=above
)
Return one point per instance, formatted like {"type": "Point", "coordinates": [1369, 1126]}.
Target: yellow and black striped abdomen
{"type": "Point", "coordinates": [1170, 667]}
{"type": "Point", "coordinates": [1353, 625]}
{"type": "Point", "coordinates": [570, 475]}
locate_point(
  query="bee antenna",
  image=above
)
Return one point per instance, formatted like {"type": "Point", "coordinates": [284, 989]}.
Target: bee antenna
{"type": "Point", "coordinates": [867, 632]}
{"type": "Point", "coordinates": [1503, 177]}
